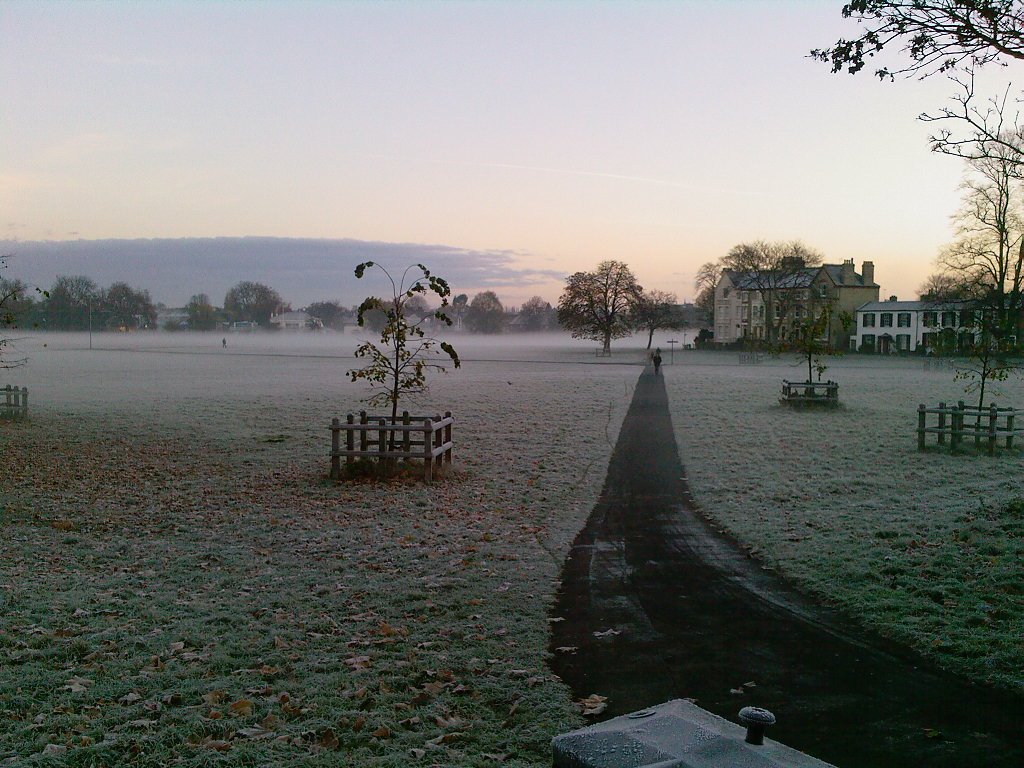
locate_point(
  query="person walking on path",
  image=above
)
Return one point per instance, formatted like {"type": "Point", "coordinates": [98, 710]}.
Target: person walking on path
{"type": "Point", "coordinates": [656, 359]}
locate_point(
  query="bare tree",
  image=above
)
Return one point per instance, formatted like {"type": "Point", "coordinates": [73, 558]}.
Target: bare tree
{"type": "Point", "coordinates": [951, 36]}
{"type": "Point", "coordinates": [704, 283]}
{"type": "Point", "coordinates": [989, 130]}
{"type": "Point", "coordinates": [779, 273]}
{"type": "Point", "coordinates": [598, 305]}
{"type": "Point", "coordinates": [657, 310]}
{"type": "Point", "coordinates": [986, 261]}
{"type": "Point", "coordinates": [940, 287]}
{"type": "Point", "coordinates": [933, 35]}
{"type": "Point", "coordinates": [536, 314]}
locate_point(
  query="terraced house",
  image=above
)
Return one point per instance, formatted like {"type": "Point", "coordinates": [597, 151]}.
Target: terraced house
{"type": "Point", "coordinates": [890, 327]}
{"type": "Point", "coordinates": [763, 306]}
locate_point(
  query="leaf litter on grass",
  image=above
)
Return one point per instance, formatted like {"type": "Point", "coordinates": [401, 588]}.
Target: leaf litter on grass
{"type": "Point", "coordinates": [224, 601]}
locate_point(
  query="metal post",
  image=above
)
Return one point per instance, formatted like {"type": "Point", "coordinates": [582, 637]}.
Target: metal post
{"type": "Point", "coordinates": [672, 350]}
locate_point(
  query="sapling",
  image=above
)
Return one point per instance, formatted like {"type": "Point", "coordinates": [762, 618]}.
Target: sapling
{"type": "Point", "coordinates": [397, 365]}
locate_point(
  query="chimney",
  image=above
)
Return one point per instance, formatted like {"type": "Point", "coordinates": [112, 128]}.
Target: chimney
{"type": "Point", "coordinates": [893, 298]}
{"type": "Point", "coordinates": [868, 272]}
{"type": "Point", "coordinates": [846, 276]}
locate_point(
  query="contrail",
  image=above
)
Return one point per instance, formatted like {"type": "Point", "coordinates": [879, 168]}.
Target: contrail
{"type": "Point", "coordinates": [564, 171]}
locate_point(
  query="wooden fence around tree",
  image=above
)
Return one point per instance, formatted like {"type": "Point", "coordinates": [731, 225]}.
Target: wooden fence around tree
{"type": "Point", "coordinates": [955, 423]}
{"type": "Point", "coordinates": [15, 401]}
{"type": "Point", "coordinates": [799, 393]}
{"type": "Point", "coordinates": [381, 438]}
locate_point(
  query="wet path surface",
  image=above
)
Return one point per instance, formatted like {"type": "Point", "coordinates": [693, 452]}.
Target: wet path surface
{"type": "Point", "coordinates": [660, 606]}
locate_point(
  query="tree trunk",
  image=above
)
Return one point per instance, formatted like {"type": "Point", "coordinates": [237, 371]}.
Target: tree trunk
{"type": "Point", "coordinates": [607, 343]}
{"type": "Point", "coordinates": [650, 337]}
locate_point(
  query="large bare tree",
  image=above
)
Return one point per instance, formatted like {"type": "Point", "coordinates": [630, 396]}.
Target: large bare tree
{"type": "Point", "coordinates": [599, 305]}
{"type": "Point", "coordinates": [778, 272]}
{"type": "Point", "coordinates": [987, 258]}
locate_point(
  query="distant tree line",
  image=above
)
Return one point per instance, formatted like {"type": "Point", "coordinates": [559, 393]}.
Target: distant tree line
{"type": "Point", "coordinates": [604, 304]}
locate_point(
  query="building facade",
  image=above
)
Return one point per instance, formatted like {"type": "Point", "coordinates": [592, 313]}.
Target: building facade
{"type": "Point", "coordinates": [892, 327]}
{"type": "Point", "coordinates": [741, 307]}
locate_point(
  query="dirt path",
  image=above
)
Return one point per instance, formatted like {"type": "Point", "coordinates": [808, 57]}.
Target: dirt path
{"type": "Point", "coordinates": [660, 606]}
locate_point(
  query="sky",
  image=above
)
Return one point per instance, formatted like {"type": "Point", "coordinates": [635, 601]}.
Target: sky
{"type": "Point", "coordinates": [557, 135]}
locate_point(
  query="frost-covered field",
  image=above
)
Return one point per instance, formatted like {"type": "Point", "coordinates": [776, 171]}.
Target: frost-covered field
{"type": "Point", "coordinates": [921, 545]}
{"type": "Point", "coordinates": [179, 584]}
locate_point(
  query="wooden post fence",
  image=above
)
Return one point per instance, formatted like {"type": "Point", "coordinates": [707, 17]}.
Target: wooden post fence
{"type": "Point", "coordinates": [394, 440]}
{"type": "Point", "coordinates": [985, 425]}
{"type": "Point", "coordinates": [15, 401]}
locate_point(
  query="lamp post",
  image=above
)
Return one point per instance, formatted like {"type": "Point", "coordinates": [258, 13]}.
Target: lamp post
{"type": "Point", "coordinates": [672, 350]}
{"type": "Point", "coordinates": [90, 322]}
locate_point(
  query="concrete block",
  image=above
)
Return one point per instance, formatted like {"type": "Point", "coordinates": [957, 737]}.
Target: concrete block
{"type": "Point", "coordinates": [676, 734]}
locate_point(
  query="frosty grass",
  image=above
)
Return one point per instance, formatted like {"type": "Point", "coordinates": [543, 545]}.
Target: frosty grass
{"type": "Point", "coordinates": [179, 585]}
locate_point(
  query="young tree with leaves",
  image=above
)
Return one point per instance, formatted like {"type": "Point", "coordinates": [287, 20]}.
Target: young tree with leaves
{"type": "Point", "coordinates": [398, 365]}
{"type": "Point", "coordinates": [811, 339]}
{"type": "Point", "coordinates": [599, 305]}
{"type": "Point", "coordinates": [14, 302]}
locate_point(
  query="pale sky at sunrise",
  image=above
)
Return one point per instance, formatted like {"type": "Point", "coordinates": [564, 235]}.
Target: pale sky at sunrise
{"type": "Point", "coordinates": [660, 134]}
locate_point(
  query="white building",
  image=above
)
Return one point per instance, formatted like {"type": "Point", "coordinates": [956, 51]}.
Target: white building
{"type": "Point", "coordinates": [296, 321]}
{"type": "Point", "coordinates": [888, 327]}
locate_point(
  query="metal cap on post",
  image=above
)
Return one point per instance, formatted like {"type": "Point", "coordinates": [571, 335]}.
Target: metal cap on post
{"type": "Point", "coordinates": [757, 721]}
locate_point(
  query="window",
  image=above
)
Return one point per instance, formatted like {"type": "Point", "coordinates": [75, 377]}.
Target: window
{"type": "Point", "coordinates": [822, 291]}
{"type": "Point", "coordinates": [931, 319]}
{"type": "Point", "coordinates": [967, 317]}
{"type": "Point", "coordinates": [886, 320]}
{"type": "Point", "coordinates": [869, 322]}
{"type": "Point", "coordinates": [948, 319]}
{"type": "Point", "coordinates": [903, 341]}
{"type": "Point", "coordinates": [903, 320]}
{"type": "Point", "coordinates": [867, 342]}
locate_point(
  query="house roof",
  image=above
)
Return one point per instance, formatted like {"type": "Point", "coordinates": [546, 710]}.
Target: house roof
{"type": "Point", "coordinates": [755, 281]}
{"type": "Point", "coordinates": [912, 306]}
{"type": "Point", "coordinates": [802, 278]}
{"type": "Point", "coordinates": [835, 272]}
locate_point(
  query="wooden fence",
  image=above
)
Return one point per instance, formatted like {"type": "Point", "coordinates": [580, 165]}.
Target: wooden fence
{"type": "Point", "coordinates": [751, 358]}
{"type": "Point", "coordinates": [382, 438]}
{"type": "Point", "coordinates": [956, 422]}
{"type": "Point", "coordinates": [810, 393]}
{"type": "Point", "coordinates": [15, 402]}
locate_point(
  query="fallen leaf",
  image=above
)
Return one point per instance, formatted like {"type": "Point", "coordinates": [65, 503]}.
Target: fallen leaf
{"type": "Point", "coordinates": [328, 740]}
{"type": "Point", "coordinates": [382, 733]}
{"type": "Point", "coordinates": [594, 704]}
{"type": "Point", "coordinates": [242, 708]}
